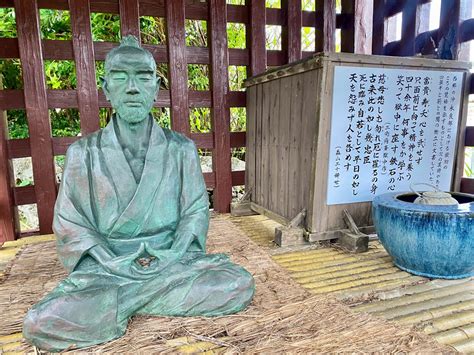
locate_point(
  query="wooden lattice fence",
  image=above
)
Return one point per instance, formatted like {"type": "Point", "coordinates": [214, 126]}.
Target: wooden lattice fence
{"type": "Point", "coordinates": [36, 99]}
{"type": "Point", "coordinates": [353, 18]}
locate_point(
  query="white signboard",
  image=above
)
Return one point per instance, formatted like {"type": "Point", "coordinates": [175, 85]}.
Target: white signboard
{"type": "Point", "coordinates": [391, 128]}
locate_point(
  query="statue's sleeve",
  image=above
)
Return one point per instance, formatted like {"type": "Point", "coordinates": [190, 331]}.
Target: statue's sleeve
{"type": "Point", "coordinates": [73, 218]}
{"type": "Point", "coordinates": [194, 203]}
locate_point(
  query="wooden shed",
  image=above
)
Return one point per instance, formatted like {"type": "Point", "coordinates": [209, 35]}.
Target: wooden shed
{"type": "Point", "coordinates": [295, 116]}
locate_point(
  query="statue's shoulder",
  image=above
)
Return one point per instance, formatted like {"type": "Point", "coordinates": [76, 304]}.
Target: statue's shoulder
{"type": "Point", "coordinates": [84, 143]}
{"type": "Point", "coordinates": [178, 140]}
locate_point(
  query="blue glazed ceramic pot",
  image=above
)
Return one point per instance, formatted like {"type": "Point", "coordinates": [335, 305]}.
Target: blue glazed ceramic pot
{"type": "Point", "coordinates": [429, 240]}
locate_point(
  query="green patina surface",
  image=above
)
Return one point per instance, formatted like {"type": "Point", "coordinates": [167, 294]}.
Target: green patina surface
{"type": "Point", "coordinates": [131, 221]}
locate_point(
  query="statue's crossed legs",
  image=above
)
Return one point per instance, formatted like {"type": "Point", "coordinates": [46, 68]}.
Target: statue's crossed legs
{"type": "Point", "coordinates": [91, 306]}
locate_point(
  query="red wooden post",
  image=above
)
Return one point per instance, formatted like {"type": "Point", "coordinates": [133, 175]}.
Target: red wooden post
{"type": "Point", "coordinates": [357, 30]}
{"type": "Point", "coordinates": [85, 66]}
{"type": "Point", "coordinates": [258, 52]}
{"type": "Point", "coordinates": [326, 31]}
{"type": "Point", "coordinates": [220, 113]}
{"type": "Point", "coordinates": [129, 18]}
{"type": "Point", "coordinates": [9, 228]}
{"type": "Point", "coordinates": [379, 27]}
{"type": "Point", "coordinates": [293, 36]}
{"type": "Point", "coordinates": [36, 103]}
{"type": "Point", "coordinates": [177, 66]}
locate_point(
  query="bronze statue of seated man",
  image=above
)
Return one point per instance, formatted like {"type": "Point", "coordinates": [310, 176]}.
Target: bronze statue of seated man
{"type": "Point", "coordinates": [131, 221]}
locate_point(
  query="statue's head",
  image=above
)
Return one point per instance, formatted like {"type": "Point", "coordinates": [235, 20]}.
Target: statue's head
{"type": "Point", "coordinates": [130, 82]}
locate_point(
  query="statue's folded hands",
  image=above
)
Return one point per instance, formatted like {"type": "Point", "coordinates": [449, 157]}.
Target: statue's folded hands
{"type": "Point", "coordinates": [123, 265]}
{"type": "Point", "coordinates": [157, 264]}
{"type": "Point", "coordinates": [165, 255]}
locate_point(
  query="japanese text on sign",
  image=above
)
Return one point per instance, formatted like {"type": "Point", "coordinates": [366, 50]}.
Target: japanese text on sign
{"type": "Point", "coordinates": [390, 128]}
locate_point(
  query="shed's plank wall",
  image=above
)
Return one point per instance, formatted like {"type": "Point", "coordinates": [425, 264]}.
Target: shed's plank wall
{"type": "Point", "coordinates": [310, 128]}
{"type": "Point", "coordinates": [296, 138]}
{"type": "Point", "coordinates": [274, 124]}
{"type": "Point", "coordinates": [263, 139]}
{"type": "Point", "coordinates": [258, 195]}
{"type": "Point", "coordinates": [284, 122]}
{"type": "Point", "coordinates": [284, 127]}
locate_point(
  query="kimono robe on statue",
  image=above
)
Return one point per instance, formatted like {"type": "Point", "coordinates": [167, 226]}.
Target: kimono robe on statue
{"type": "Point", "coordinates": [100, 202]}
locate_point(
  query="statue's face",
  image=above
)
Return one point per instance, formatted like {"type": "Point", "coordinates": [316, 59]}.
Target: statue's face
{"type": "Point", "coordinates": [131, 85]}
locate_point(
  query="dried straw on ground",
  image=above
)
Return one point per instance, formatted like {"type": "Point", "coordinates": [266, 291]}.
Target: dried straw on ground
{"type": "Point", "coordinates": [282, 318]}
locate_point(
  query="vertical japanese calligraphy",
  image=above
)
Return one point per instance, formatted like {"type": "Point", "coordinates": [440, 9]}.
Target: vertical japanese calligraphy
{"type": "Point", "coordinates": [390, 128]}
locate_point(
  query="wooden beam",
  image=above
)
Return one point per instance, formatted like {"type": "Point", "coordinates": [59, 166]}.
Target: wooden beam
{"type": "Point", "coordinates": [34, 83]}
{"type": "Point", "coordinates": [237, 13]}
{"type": "Point", "coordinates": [85, 66]}
{"type": "Point", "coordinates": [25, 195]}
{"type": "Point", "coordinates": [256, 30]}
{"type": "Point", "coordinates": [9, 227]}
{"type": "Point", "coordinates": [12, 99]}
{"type": "Point", "coordinates": [237, 99]}
{"type": "Point", "coordinates": [203, 140]}
{"type": "Point", "coordinates": [220, 114]}
{"type": "Point", "coordinates": [63, 50]}
{"type": "Point", "coordinates": [61, 144]}
{"type": "Point", "coordinates": [393, 7]}
{"type": "Point", "coordinates": [238, 178]}
{"type": "Point", "coordinates": [426, 42]}
{"type": "Point", "coordinates": [448, 38]}
{"type": "Point", "coordinates": [265, 212]}
{"type": "Point", "coordinates": [357, 31]}
{"type": "Point", "coordinates": [210, 180]}
{"type": "Point", "coordinates": [410, 21]}
{"type": "Point", "coordinates": [326, 34]}
{"type": "Point", "coordinates": [238, 139]}
{"type": "Point", "coordinates": [194, 10]}
{"type": "Point", "coordinates": [276, 16]}
{"type": "Point", "coordinates": [20, 148]}
{"type": "Point", "coordinates": [467, 185]}
{"type": "Point", "coordinates": [379, 27]}
{"type": "Point", "coordinates": [348, 30]}
{"type": "Point", "coordinates": [471, 84]}
{"type": "Point", "coordinates": [275, 58]}
{"type": "Point", "coordinates": [469, 140]}
{"type": "Point", "coordinates": [293, 37]}
{"type": "Point", "coordinates": [177, 66]}
{"type": "Point", "coordinates": [129, 18]}
{"type": "Point", "coordinates": [466, 30]}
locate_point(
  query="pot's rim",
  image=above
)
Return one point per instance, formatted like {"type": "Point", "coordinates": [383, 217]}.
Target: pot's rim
{"type": "Point", "coordinates": [391, 200]}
